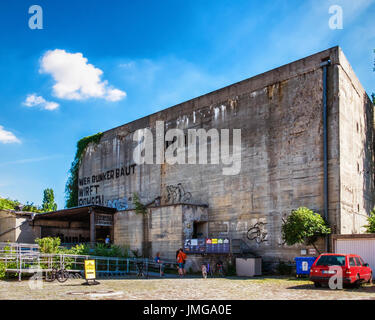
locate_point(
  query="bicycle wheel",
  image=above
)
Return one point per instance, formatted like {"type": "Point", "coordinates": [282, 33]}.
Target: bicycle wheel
{"type": "Point", "coordinates": [50, 276]}
{"type": "Point", "coordinates": [62, 275]}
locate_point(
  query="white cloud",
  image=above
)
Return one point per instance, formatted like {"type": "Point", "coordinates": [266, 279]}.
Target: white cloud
{"type": "Point", "coordinates": [32, 100]}
{"type": "Point", "coordinates": [115, 95]}
{"type": "Point", "coordinates": [75, 78]}
{"type": "Point", "coordinates": [7, 136]}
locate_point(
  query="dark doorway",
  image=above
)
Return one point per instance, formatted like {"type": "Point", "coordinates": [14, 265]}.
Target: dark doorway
{"type": "Point", "coordinates": [102, 233]}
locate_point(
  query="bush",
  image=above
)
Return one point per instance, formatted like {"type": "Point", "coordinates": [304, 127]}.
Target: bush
{"type": "Point", "coordinates": [231, 269]}
{"type": "Point", "coordinates": [48, 244]}
{"type": "Point", "coordinates": [79, 249]}
{"type": "Point", "coordinates": [2, 270]}
{"type": "Point", "coordinates": [284, 269]}
{"type": "Point", "coordinates": [370, 227]}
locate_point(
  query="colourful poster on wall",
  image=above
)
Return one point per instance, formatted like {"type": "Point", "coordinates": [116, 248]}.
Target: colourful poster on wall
{"type": "Point", "coordinates": [215, 245]}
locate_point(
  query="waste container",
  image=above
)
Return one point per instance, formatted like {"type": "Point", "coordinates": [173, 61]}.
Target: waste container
{"type": "Point", "coordinates": [248, 267]}
{"type": "Point", "coordinates": [303, 265]}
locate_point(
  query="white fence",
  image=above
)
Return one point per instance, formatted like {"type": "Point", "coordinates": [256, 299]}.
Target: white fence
{"type": "Point", "coordinates": [360, 244]}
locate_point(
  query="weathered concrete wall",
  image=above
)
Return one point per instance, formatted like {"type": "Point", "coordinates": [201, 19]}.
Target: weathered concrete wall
{"type": "Point", "coordinates": [163, 229]}
{"type": "Point", "coordinates": [128, 229]}
{"type": "Point", "coordinates": [356, 151]}
{"type": "Point", "coordinates": [280, 116]}
{"type": "Point", "coordinates": [7, 227]}
{"type": "Point", "coordinates": [15, 227]}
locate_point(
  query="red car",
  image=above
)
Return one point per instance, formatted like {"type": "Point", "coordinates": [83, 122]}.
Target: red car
{"type": "Point", "coordinates": [354, 269]}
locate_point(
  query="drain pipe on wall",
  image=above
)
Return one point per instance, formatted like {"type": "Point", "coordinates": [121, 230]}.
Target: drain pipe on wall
{"type": "Point", "coordinates": [325, 65]}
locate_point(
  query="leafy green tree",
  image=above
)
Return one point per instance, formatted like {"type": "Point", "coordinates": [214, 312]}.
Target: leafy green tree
{"type": "Point", "coordinates": [370, 227]}
{"type": "Point", "coordinates": [30, 207]}
{"type": "Point", "coordinates": [49, 201]}
{"type": "Point", "coordinates": [8, 204]}
{"type": "Point", "coordinates": [304, 226]}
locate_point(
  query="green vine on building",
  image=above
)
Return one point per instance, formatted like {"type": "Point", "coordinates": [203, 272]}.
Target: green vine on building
{"type": "Point", "coordinates": [139, 206]}
{"type": "Point", "coordinates": [71, 187]}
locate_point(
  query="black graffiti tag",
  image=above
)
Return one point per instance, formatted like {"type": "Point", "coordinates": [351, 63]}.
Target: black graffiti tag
{"type": "Point", "coordinates": [257, 232]}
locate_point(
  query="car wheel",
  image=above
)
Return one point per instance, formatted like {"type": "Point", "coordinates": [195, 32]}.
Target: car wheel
{"type": "Point", "coordinates": [317, 284]}
{"type": "Point", "coordinates": [370, 280]}
{"type": "Point", "coordinates": [357, 282]}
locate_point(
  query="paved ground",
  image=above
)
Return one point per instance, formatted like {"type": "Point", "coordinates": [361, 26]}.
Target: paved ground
{"type": "Point", "coordinates": [279, 288]}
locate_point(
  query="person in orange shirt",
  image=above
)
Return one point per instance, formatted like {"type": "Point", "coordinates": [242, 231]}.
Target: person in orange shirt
{"type": "Point", "coordinates": [181, 258]}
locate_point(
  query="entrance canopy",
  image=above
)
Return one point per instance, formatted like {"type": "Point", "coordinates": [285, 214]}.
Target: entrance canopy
{"type": "Point", "coordinates": [91, 219]}
{"type": "Point", "coordinates": [74, 214]}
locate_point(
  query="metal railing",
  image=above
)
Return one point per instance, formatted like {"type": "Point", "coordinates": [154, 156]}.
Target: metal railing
{"type": "Point", "coordinates": [27, 259]}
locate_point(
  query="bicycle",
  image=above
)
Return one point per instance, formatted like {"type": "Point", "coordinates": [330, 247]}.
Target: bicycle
{"type": "Point", "coordinates": [60, 274]}
{"type": "Point", "coordinates": [206, 270]}
{"type": "Point", "coordinates": [220, 269]}
{"type": "Point", "coordinates": [139, 268]}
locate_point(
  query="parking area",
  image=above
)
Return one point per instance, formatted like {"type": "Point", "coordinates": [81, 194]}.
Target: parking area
{"type": "Point", "coordinates": [259, 288]}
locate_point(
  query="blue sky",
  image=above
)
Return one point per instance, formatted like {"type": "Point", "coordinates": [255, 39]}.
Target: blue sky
{"type": "Point", "coordinates": [133, 58]}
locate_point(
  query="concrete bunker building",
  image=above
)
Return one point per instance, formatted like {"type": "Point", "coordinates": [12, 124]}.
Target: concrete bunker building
{"type": "Point", "coordinates": [285, 116]}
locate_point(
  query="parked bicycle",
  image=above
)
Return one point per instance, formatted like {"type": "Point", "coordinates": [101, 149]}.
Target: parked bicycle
{"type": "Point", "coordinates": [60, 274]}
{"type": "Point", "coordinates": [207, 270]}
{"type": "Point", "coordinates": [139, 269]}
{"type": "Point", "coordinates": [219, 270]}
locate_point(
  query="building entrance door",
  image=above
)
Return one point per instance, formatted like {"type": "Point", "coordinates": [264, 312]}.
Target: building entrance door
{"type": "Point", "coordinates": [102, 233]}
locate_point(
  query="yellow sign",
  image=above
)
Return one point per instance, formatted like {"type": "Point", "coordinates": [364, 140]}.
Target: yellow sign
{"type": "Point", "coordinates": [90, 272]}
{"type": "Point", "coordinates": [214, 241]}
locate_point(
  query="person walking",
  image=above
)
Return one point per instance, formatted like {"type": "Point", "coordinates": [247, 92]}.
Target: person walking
{"type": "Point", "coordinates": [161, 265]}
{"type": "Point", "coordinates": [181, 259]}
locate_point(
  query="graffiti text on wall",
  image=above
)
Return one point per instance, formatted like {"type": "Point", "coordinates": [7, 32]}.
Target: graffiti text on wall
{"type": "Point", "coordinates": [89, 188]}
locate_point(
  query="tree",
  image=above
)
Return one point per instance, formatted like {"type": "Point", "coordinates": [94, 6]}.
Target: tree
{"type": "Point", "coordinates": [305, 227]}
{"type": "Point", "coordinates": [370, 227]}
{"type": "Point", "coordinates": [49, 201]}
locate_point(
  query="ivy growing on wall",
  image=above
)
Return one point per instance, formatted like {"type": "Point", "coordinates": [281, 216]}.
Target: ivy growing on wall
{"type": "Point", "coordinates": [139, 206]}
{"type": "Point", "coordinates": [71, 187]}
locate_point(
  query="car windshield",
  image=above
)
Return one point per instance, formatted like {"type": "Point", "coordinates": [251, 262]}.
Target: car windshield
{"type": "Point", "coordinates": [331, 261]}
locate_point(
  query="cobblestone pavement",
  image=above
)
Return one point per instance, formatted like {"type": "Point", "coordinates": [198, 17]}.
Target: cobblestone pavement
{"type": "Point", "coordinates": [275, 288]}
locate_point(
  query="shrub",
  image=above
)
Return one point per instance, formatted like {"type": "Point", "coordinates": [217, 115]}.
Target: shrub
{"type": "Point", "coordinates": [370, 227]}
{"type": "Point", "coordinates": [2, 270]}
{"type": "Point", "coordinates": [79, 249]}
{"type": "Point", "coordinates": [284, 269]}
{"type": "Point", "coordinates": [48, 244]}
